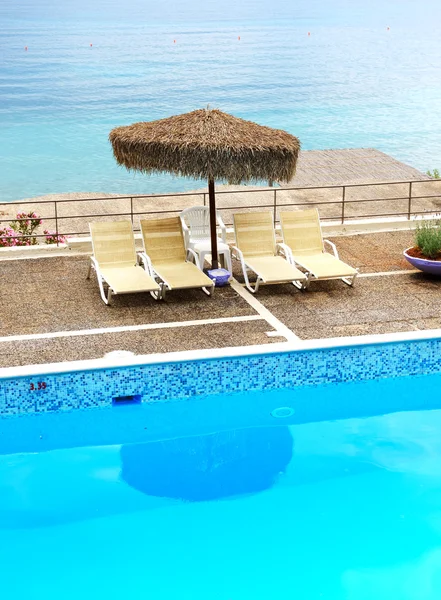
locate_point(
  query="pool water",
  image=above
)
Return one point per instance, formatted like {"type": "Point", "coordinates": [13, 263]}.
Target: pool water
{"type": "Point", "coordinates": [341, 509]}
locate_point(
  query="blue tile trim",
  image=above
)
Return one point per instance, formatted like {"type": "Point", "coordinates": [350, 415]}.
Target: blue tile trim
{"type": "Point", "coordinates": [183, 380]}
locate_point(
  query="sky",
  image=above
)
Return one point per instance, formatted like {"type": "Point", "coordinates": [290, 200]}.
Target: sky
{"type": "Point", "coordinates": [342, 11]}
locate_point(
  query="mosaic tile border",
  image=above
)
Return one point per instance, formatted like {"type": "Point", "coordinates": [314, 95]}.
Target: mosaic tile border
{"type": "Point", "coordinates": [181, 380]}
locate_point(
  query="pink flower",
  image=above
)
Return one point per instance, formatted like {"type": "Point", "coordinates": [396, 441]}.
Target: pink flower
{"type": "Point", "coordinates": [53, 238]}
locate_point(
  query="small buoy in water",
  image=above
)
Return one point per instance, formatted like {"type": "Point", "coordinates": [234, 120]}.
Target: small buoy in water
{"type": "Point", "coordinates": [26, 48]}
{"type": "Point", "coordinates": [174, 41]}
{"type": "Point", "coordinates": [91, 45]}
{"type": "Point", "coordinates": [309, 33]}
{"type": "Point", "coordinates": [238, 37]}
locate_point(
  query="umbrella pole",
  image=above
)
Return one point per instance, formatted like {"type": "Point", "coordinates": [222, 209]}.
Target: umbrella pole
{"type": "Point", "coordinates": [213, 228]}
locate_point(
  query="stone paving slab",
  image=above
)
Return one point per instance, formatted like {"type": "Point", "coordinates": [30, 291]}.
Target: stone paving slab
{"type": "Point", "coordinates": [375, 252]}
{"type": "Point", "coordinates": [51, 295]}
{"type": "Point", "coordinates": [380, 304]}
{"type": "Point", "coordinates": [374, 305]}
{"type": "Point", "coordinates": [197, 337]}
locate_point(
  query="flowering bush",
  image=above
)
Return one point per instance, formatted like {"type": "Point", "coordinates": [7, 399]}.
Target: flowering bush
{"type": "Point", "coordinates": [53, 238]}
{"type": "Point", "coordinates": [22, 232]}
{"type": "Point", "coordinates": [8, 237]}
{"type": "Point", "coordinates": [25, 226]}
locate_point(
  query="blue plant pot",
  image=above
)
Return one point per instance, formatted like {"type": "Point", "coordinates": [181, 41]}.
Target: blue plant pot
{"type": "Point", "coordinates": [220, 276]}
{"type": "Point", "coordinates": [427, 266]}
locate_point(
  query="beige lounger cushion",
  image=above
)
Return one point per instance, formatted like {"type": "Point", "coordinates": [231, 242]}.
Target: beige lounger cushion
{"type": "Point", "coordinates": [125, 280]}
{"type": "Point", "coordinates": [273, 269]}
{"type": "Point", "coordinates": [256, 239]}
{"type": "Point", "coordinates": [114, 251]}
{"type": "Point", "coordinates": [164, 239]}
{"type": "Point", "coordinates": [164, 244]}
{"type": "Point", "coordinates": [182, 275]}
{"type": "Point", "coordinates": [113, 243]}
{"type": "Point", "coordinates": [302, 232]}
{"type": "Point", "coordinates": [255, 233]}
{"type": "Point", "coordinates": [324, 265]}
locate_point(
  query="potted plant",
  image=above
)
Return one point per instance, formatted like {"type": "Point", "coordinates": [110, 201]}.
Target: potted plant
{"type": "Point", "coordinates": [426, 253]}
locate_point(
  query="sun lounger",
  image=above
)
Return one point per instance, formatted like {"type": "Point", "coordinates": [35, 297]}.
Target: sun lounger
{"type": "Point", "coordinates": [256, 249]}
{"type": "Point", "coordinates": [116, 263]}
{"type": "Point", "coordinates": [302, 234]}
{"type": "Point", "coordinates": [165, 256]}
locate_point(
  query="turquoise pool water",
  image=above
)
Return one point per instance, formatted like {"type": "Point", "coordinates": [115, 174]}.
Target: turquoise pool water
{"type": "Point", "coordinates": [351, 83]}
{"type": "Point", "coordinates": [255, 508]}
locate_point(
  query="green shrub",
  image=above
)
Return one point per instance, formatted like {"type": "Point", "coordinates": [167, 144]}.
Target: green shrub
{"type": "Point", "coordinates": [428, 238]}
{"type": "Point", "coordinates": [435, 174]}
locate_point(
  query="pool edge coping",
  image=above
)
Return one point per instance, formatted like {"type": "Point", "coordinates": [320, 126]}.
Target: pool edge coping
{"type": "Point", "coordinates": [113, 362]}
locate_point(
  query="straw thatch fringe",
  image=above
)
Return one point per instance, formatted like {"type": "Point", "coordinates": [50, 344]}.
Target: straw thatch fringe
{"type": "Point", "coordinates": [207, 144]}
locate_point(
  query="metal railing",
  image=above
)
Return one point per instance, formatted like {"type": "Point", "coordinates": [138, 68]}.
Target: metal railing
{"type": "Point", "coordinates": [279, 198]}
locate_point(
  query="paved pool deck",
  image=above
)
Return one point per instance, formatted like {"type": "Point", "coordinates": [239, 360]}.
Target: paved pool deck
{"type": "Point", "coordinates": [49, 312]}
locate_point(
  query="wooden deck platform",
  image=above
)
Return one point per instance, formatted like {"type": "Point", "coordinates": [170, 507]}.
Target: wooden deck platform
{"type": "Point", "coordinates": [350, 166]}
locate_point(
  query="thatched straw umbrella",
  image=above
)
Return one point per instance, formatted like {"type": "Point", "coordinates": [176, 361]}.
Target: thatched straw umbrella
{"type": "Point", "coordinates": [207, 144]}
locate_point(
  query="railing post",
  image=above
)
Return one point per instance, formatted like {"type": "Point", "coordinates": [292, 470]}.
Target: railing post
{"type": "Point", "coordinates": [205, 199]}
{"type": "Point", "coordinates": [131, 210]}
{"type": "Point", "coordinates": [56, 223]}
{"type": "Point", "coordinates": [275, 206]}
{"type": "Point", "coordinates": [343, 197]}
{"type": "Point", "coordinates": [409, 205]}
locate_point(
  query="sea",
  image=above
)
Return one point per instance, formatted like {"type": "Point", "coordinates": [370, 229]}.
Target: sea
{"type": "Point", "coordinates": [335, 73]}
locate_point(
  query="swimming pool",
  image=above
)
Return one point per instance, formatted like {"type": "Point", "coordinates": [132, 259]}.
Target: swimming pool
{"type": "Point", "coordinates": [218, 499]}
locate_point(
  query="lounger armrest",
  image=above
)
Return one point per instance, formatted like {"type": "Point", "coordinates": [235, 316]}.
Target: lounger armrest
{"type": "Point", "coordinates": [147, 264]}
{"type": "Point", "coordinates": [95, 263]}
{"type": "Point", "coordinates": [236, 253]}
{"type": "Point", "coordinates": [192, 253]}
{"type": "Point", "coordinates": [185, 231]}
{"type": "Point", "coordinates": [285, 251]}
{"type": "Point", "coordinates": [223, 229]}
{"type": "Point", "coordinates": [333, 247]}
